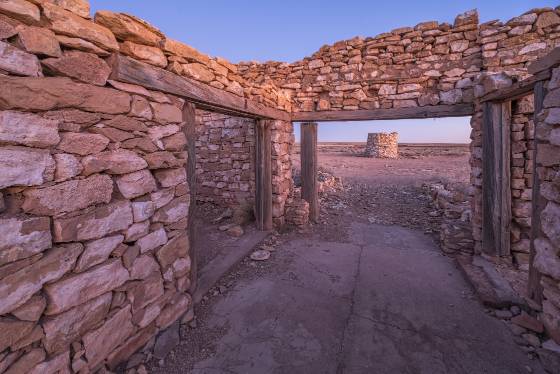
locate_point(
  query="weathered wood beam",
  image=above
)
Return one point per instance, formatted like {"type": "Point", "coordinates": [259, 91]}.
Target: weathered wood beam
{"type": "Point", "coordinates": [535, 289]}
{"type": "Point", "coordinates": [489, 185]}
{"type": "Point", "coordinates": [504, 116]}
{"type": "Point", "coordinates": [459, 110]}
{"type": "Point", "coordinates": [263, 175]}
{"type": "Point", "coordinates": [131, 71]}
{"type": "Point", "coordinates": [550, 60]}
{"type": "Point", "coordinates": [308, 153]}
{"type": "Point", "coordinates": [517, 90]}
{"type": "Point", "coordinates": [189, 131]}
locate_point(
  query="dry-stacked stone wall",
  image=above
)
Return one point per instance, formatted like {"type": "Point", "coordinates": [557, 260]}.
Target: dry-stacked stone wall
{"type": "Point", "coordinates": [283, 139]}
{"type": "Point", "coordinates": [547, 245]}
{"type": "Point", "coordinates": [522, 150]}
{"type": "Point", "coordinates": [382, 145]}
{"type": "Point", "coordinates": [94, 201]}
{"type": "Point", "coordinates": [225, 164]}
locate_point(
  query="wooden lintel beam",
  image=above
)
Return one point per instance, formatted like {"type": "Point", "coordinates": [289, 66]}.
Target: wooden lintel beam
{"type": "Point", "coordinates": [127, 70]}
{"type": "Point", "coordinates": [435, 111]}
{"type": "Point", "coordinates": [518, 89]}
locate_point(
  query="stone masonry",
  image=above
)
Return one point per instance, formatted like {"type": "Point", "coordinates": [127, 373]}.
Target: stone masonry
{"type": "Point", "coordinates": [94, 200]}
{"type": "Point", "coordinates": [382, 145]}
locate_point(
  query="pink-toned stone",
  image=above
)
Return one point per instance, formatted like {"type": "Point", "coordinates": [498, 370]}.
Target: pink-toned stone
{"type": "Point", "coordinates": [150, 55]}
{"type": "Point", "coordinates": [177, 247]}
{"type": "Point", "coordinates": [547, 19]}
{"type": "Point", "coordinates": [155, 133]}
{"type": "Point", "coordinates": [83, 66]}
{"type": "Point", "coordinates": [178, 306]}
{"type": "Point", "coordinates": [115, 135]}
{"type": "Point", "coordinates": [100, 222]}
{"type": "Point", "coordinates": [152, 241]}
{"type": "Point", "coordinates": [21, 166]}
{"type": "Point", "coordinates": [35, 335]}
{"type": "Point", "coordinates": [550, 223]}
{"type": "Point", "coordinates": [173, 47]}
{"type": "Point", "coordinates": [8, 27]}
{"type": "Point", "coordinates": [81, 45]}
{"type": "Point", "coordinates": [126, 124]}
{"type": "Point", "coordinates": [82, 144]}
{"type": "Point", "coordinates": [16, 289]}
{"type": "Point", "coordinates": [199, 72]}
{"type": "Point", "coordinates": [13, 330]}
{"type": "Point", "coordinates": [56, 365]}
{"type": "Point", "coordinates": [143, 143]}
{"type": "Point", "coordinates": [171, 177]}
{"type": "Point", "coordinates": [27, 361]}
{"type": "Point", "coordinates": [120, 161]}
{"type": "Point", "coordinates": [31, 310]}
{"type": "Point", "coordinates": [141, 108]}
{"type": "Point", "coordinates": [67, 167]}
{"type": "Point", "coordinates": [127, 27]}
{"type": "Point", "coordinates": [136, 184]}
{"type": "Point", "coordinates": [162, 197]}
{"type": "Point", "coordinates": [143, 267]}
{"type": "Point", "coordinates": [181, 267]}
{"type": "Point", "coordinates": [21, 10]}
{"type": "Point", "coordinates": [546, 258]}
{"type": "Point", "coordinates": [145, 292]}
{"type": "Point", "coordinates": [144, 317]}
{"type": "Point", "coordinates": [133, 344]}
{"type": "Point", "coordinates": [18, 62]}
{"type": "Point", "coordinates": [142, 210]}
{"type": "Point", "coordinates": [38, 40]}
{"type": "Point", "coordinates": [27, 129]}
{"type": "Point", "coordinates": [63, 329]}
{"type": "Point", "coordinates": [67, 23]}
{"type": "Point", "coordinates": [176, 210]}
{"type": "Point", "coordinates": [528, 322]}
{"type": "Point", "coordinates": [163, 160]}
{"type": "Point", "coordinates": [176, 142]}
{"type": "Point", "coordinates": [79, 7]}
{"type": "Point", "coordinates": [22, 238]}
{"type": "Point", "coordinates": [166, 113]}
{"type": "Point", "coordinates": [97, 251]}
{"type": "Point", "coordinates": [68, 196]}
{"type": "Point", "coordinates": [101, 342]}
{"type": "Point", "coordinates": [137, 231]}
{"type": "Point", "coordinates": [41, 94]}
{"type": "Point", "coordinates": [80, 288]}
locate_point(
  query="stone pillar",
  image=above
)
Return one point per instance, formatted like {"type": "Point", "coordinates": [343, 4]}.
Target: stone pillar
{"type": "Point", "coordinates": [382, 145]}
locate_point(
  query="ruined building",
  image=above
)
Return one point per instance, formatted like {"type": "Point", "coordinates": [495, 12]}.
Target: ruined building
{"type": "Point", "coordinates": [110, 132]}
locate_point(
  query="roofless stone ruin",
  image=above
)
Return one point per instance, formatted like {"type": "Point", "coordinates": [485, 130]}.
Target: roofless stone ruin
{"type": "Point", "coordinates": [110, 132]}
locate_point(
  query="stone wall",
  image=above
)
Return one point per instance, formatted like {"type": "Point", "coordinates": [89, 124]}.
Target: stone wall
{"type": "Point", "coordinates": [94, 201]}
{"type": "Point", "coordinates": [283, 139]}
{"type": "Point", "coordinates": [522, 149]}
{"type": "Point", "coordinates": [382, 145]}
{"type": "Point", "coordinates": [547, 245]}
{"type": "Point", "coordinates": [225, 148]}
{"type": "Point", "coordinates": [429, 64]}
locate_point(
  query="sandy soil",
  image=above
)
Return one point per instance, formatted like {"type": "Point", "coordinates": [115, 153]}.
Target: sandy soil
{"type": "Point", "coordinates": [417, 164]}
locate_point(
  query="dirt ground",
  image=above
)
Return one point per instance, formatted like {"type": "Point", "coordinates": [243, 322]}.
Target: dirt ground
{"type": "Point", "coordinates": [365, 290]}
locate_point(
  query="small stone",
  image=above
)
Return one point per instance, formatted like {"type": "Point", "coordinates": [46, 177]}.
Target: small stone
{"type": "Point", "coordinates": [528, 322]}
{"type": "Point", "coordinates": [121, 161]}
{"type": "Point", "coordinates": [260, 255]}
{"type": "Point", "coordinates": [18, 62]}
{"type": "Point", "coordinates": [22, 10]}
{"type": "Point", "coordinates": [235, 231]}
{"type": "Point", "coordinates": [136, 184]}
{"type": "Point", "coordinates": [97, 251]}
{"type": "Point", "coordinates": [38, 40]}
{"type": "Point", "coordinates": [67, 167]}
{"type": "Point", "coordinates": [150, 55]}
{"type": "Point", "coordinates": [83, 66]}
{"type": "Point", "coordinates": [165, 113]}
{"type": "Point", "coordinates": [503, 314]}
{"type": "Point", "coordinates": [127, 27]}
{"type": "Point", "coordinates": [171, 177]}
{"type": "Point", "coordinates": [23, 238]}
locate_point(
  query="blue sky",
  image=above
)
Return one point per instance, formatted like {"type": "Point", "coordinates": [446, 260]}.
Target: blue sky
{"type": "Point", "coordinates": [289, 30]}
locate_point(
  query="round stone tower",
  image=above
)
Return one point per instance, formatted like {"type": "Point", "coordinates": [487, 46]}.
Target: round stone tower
{"type": "Point", "coordinates": [382, 145]}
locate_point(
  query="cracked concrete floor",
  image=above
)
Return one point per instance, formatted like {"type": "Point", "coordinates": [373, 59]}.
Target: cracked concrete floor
{"type": "Point", "coordinates": [383, 300]}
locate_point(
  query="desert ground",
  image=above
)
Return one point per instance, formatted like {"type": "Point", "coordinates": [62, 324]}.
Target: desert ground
{"type": "Point", "coordinates": [366, 289]}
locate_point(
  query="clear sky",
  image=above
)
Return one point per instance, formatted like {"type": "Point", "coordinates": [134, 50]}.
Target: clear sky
{"type": "Point", "coordinates": [289, 30]}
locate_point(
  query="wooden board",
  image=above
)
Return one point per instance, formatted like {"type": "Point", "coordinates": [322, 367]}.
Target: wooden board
{"type": "Point", "coordinates": [263, 175]}
{"type": "Point", "coordinates": [189, 131]}
{"type": "Point", "coordinates": [535, 288]}
{"type": "Point", "coordinates": [518, 89]}
{"type": "Point", "coordinates": [308, 152]}
{"type": "Point", "coordinates": [504, 116]}
{"type": "Point", "coordinates": [496, 179]}
{"type": "Point", "coordinates": [131, 71]}
{"type": "Point", "coordinates": [435, 111]}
